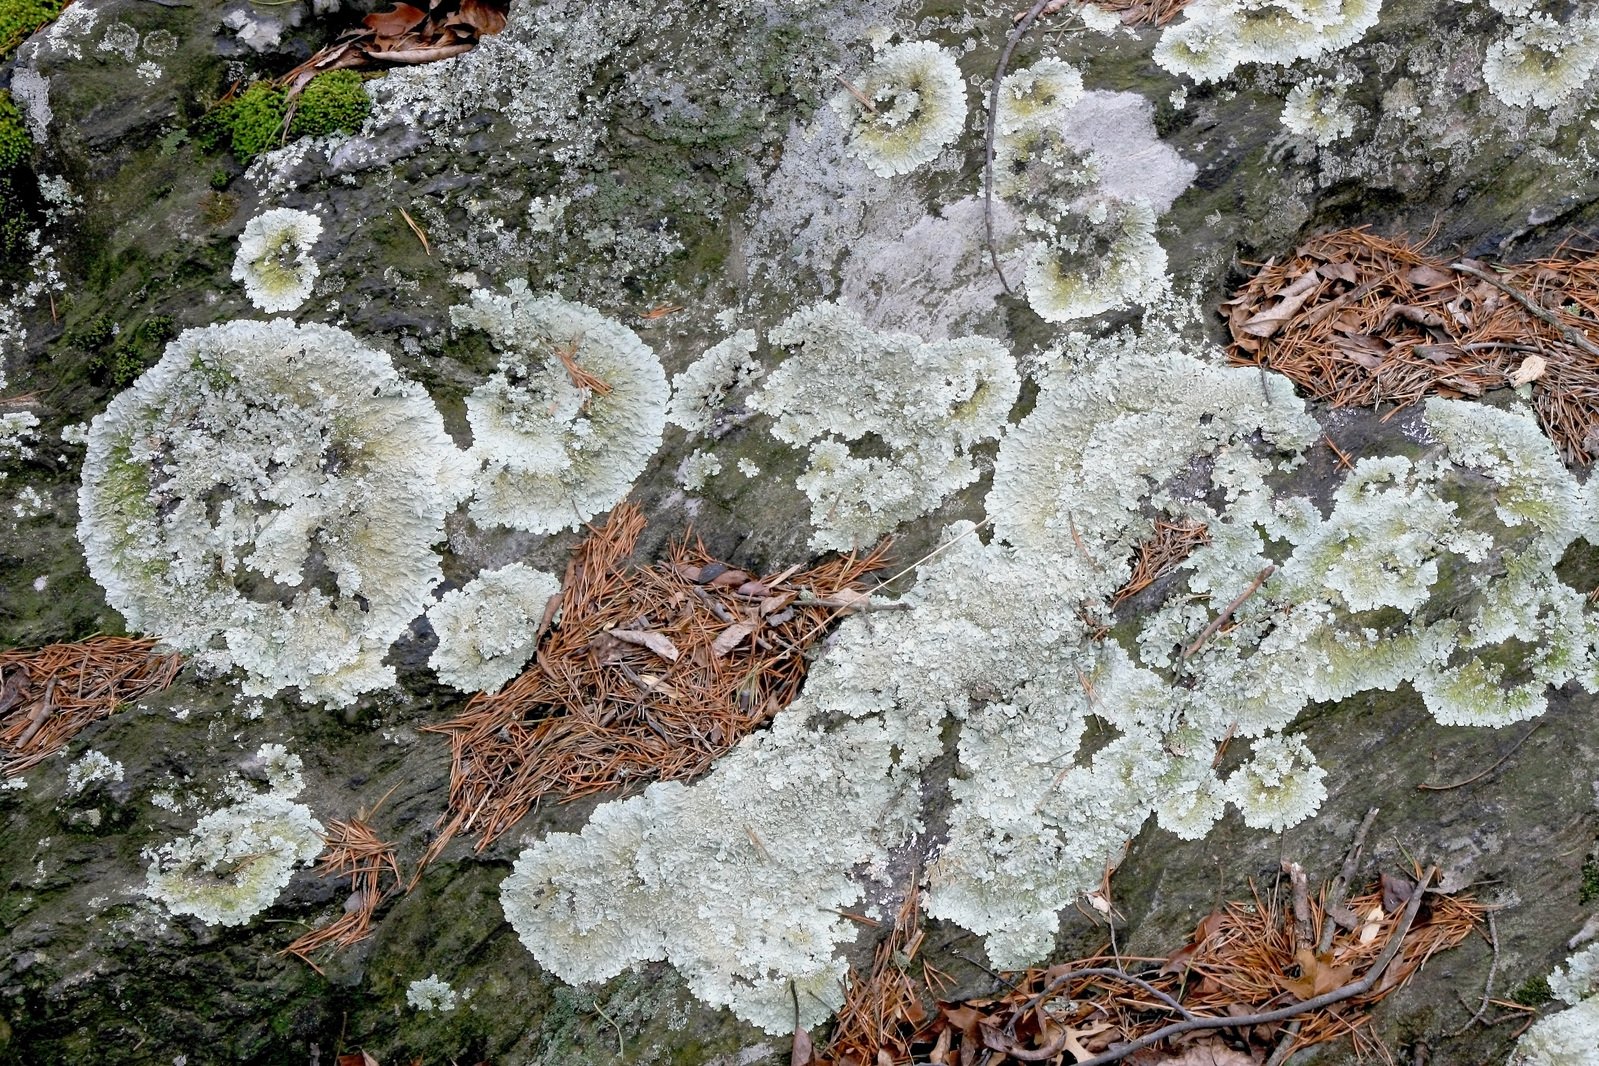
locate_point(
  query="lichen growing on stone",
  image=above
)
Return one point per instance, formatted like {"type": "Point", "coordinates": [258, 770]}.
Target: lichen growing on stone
{"type": "Point", "coordinates": [1540, 62]}
{"type": "Point", "coordinates": [432, 994]}
{"type": "Point", "coordinates": [1100, 258]}
{"type": "Point", "coordinates": [487, 628]}
{"type": "Point", "coordinates": [237, 859]}
{"type": "Point", "coordinates": [701, 391]}
{"type": "Point", "coordinates": [1217, 36]}
{"type": "Point", "coordinates": [1567, 1037]}
{"type": "Point", "coordinates": [917, 106]}
{"type": "Point", "coordinates": [551, 447]}
{"type": "Point", "coordinates": [91, 768]}
{"type": "Point", "coordinates": [274, 260]}
{"type": "Point", "coordinates": [1036, 96]}
{"type": "Point", "coordinates": [1279, 786]}
{"type": "Point", "coordinates": [925, 404]}
{"type": "Point", "coordinates": [266, 498]}
{"type": "Point", "coordinates": [1316, 110]}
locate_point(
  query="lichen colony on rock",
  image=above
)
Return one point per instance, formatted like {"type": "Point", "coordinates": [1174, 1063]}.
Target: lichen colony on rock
{"type": "Point", "coordinates": [487, 629]}
{"type": "Point", "coordinates": [912, 103]}
{"type": "Point", "coordinates": [552, 448]}
{"type": "Point", "coordinates": [266, 497]}
{"type": "Point", "coordinates": [274, 260]}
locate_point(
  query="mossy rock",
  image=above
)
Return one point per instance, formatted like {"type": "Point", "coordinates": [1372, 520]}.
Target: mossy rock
{"type": "Point", "coordinates": [254, 121]}
{"type": "Point", "coordinates": [18, 187]}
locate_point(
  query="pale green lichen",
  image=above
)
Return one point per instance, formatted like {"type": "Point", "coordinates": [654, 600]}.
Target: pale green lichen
{"type": "Point", "coordinates": [432, 994]}
{"type": "Point", "coordinates": [91, 768]}
{"type": "Point", "coordinates": [1102, 257]}
{"type": "Point", "coordinates": [922, 405]}
{"type": "Point", "coordinates": [487, 628]}
{"type": "Point", "coordinates": [917, 106]}
{"type": "Point", "coordinates": [994, 642]}
{"type": "Point", "coordinates": [237, 859]}
{"type": "Point", "coordinates": [266, 497]}
{"type": "Point", "coordinates": [274, 260]}
{"type": "Point", "coordinates": [551, 451]}
{"type": "Point", "coordinates": [701, 392]}
{"type": "Point", "coordinates": [1568, 1037]}
{"type": "Point", "coordinates": [1542, 63]}
{"type": "Point", "coordinates": [1215, 37]}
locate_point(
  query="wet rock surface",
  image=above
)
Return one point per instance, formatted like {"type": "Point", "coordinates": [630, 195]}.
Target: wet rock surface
{"type": "Point", "coordinates": [685, 155]}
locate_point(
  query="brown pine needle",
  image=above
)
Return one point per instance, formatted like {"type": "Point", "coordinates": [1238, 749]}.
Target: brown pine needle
{"type": "Point", "coordinates": [416, 229]}
{"type": "Point", "coordinates": [595, 713]}
{"type": "Point", "coordinates": [48, 694]}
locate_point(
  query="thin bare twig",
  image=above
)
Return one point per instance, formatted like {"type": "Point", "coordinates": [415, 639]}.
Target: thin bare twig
{"type": "Point", "coordinates": [1012, 39]}
{"type": "Point", "coordinates": [1227, 612]}
{"type": "Point", "coordinates": [1427, 787]}
{"type": "Point", "coordinates": [1337, 995]}
{"type": "Point", "coordinates": [1573, 336]}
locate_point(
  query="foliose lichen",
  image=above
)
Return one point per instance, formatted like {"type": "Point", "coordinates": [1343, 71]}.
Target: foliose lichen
{"type": "Point", "coordinates": [487, 628]}
{"type": "Point", "coordinates": [700, 392]}
{"type": "Point", "coordinates": [924, 405]}
{"type": "Point", "coordinates": [912, 103]}
{"type": "Point", "coordinates": [274, 260]}
{"type": "Point", "coordinates": [266, 497]}
{"type": "Point", "coordinates": [237, 859]}
{"type": "Point", "coordinates": [1215, 37]}
{"type": "Point", "coordinates": [552, 447]}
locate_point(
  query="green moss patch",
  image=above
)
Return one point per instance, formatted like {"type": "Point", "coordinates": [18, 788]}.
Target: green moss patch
{"type": "Point", "coordinates": [20, 18]}
{"type": "Point", "coordinates": [254, 121]}
{"type": "Point", "coordinates": [17, 184]}
{"type": "Point", "coordinates": [117, 357]}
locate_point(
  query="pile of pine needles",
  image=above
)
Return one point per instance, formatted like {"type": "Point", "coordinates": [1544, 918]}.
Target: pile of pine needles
{"type": "Point", "coordinates": [354, 851]}
{"type": "Point", "coordinates": [1246, 961]}
{"type": "Point", "coordinates": [644, 673]}
{"type": "Point", "coordinates": [48, 694]}
{"type": "Point", "coordinates": [1161, 553]}
{"type": "Point", "coordinates": [1364, 320]}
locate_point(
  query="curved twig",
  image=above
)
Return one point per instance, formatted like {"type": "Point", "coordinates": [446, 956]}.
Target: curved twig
{"type": "Point", "coordinates": [1327, 999]}
{"type": "Point", "coordinates": [1023, 24]}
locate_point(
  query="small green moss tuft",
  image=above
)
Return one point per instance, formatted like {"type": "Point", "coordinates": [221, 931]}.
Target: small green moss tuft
{"type": "Point", "coordinates": [1533, 992]}
{"type": "Point", "coordinates": [20, 18]}
{"type": "Point", "coordinates": [117, 358]}
{"type": "Point", "coordinates": [16, 179]}
{"type": "Point", "coordinates": [252, 122]}
{"type": "Point", "coordinates": [331, 103]}
{"type": "Point", "coordinates": [247, 125]}
{"type": "Point", "coordinates": [1589, 890]}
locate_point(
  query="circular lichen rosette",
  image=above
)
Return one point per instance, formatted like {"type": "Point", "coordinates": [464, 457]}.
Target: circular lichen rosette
{"type": "Point", "coordinates": [274, 260]}
{"type": "Point", "coordinates": [487, 630]}
{"type": "Point", "coordinates": [1103, 258]}
{"type": "Point", "coordinates": [912, 103]}
{"type": "Point", "coordinates": [266, 497]}
{"type": "Point", "coordinates": [565, 425]}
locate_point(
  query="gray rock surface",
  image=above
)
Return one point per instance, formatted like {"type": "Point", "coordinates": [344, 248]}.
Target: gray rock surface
{"type": "Point", "coordinates": [685, 153]}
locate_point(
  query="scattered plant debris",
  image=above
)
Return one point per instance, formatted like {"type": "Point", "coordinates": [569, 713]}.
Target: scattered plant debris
{"type": "Point", "coordinates": [354, 850]}
{"type": "Point", "coordinates": [405, 35]}
{"type": "Point", "coordinates": [1253, 982]}
{"type": "Point", "coordinates": [644, 673]}
{"type": "Point", "coordinates": [47, 695]}
{"type": "Point", "coordinates": [883, 1008]}
{"type": "Point", "coordinates": [1142, 12]}
{"type": "Point", "coordinates": [1161, 553]}
{"type": "Point", "coordinates": [1363, 320]}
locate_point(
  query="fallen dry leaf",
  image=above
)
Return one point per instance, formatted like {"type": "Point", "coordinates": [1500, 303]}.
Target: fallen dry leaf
{"type": "Point", "coordinates": [1530, 370]}
{"type": "Point", "coordinates": [731, 637]}
{"type": "Point", "coordinates": [804, 1052]}
{"type": "Point", "coordinates": [659, 643]}
{"type": "Point", "coordinates": [395, 22]}
{"type": "Point", "coordinates": [1317, 975]}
